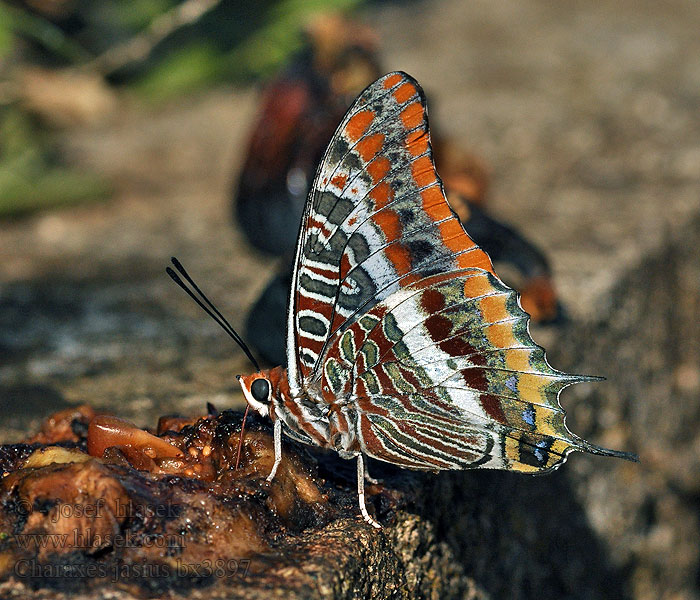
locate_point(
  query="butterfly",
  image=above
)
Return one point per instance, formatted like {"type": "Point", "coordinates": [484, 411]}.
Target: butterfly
{"type": "Point", "coordinates": [402, 343]}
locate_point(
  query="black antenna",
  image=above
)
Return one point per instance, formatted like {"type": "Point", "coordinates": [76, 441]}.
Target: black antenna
{"type": "Point", "coordinates": [208, 307]}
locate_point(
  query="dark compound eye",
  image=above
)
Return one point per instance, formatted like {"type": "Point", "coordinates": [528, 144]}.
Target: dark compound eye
{"type": "Point", "coordinates": [260, 390]}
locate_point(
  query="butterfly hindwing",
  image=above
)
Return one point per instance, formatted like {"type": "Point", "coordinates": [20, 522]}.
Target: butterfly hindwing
{"type": "Point", "coordinates": [448, 377]}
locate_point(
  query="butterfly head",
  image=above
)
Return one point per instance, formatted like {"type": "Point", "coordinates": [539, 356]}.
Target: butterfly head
{"type": "Point", "coordinates": [257, 390]}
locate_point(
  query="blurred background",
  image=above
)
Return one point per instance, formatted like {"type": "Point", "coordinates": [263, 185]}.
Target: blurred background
{"type": "Point", "coordinates": [568, 135]}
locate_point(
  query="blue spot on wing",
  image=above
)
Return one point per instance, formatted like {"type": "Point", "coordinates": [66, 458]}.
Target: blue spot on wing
{"type": "Point", "coordinates": [540, 452]}
{"type": "Point", "coordinates": [529, 415]}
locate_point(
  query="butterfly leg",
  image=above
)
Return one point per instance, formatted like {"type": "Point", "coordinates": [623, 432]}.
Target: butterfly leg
{"type": "Point", "coordinates": [278, 449]}
{"type": "Point", "coordinates": [361, 492]}
{"type": "Point", "coordinates": [369, 478]}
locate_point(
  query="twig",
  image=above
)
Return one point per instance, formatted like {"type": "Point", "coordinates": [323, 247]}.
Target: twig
{"type": "Point", "coordinates": [141, 45]}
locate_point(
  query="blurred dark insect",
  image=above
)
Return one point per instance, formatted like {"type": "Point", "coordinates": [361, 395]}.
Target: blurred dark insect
{"type": "Point", "coordinates": [299, 111]}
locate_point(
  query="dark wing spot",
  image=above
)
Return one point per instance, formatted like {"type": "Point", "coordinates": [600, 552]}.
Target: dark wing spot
{"type": "Point", "coordinates": [312, 325]}
{"type": "Point", "coordinates": [533, 451]}
{"type": "Point", "coordinates": [338, 150]}
{"type": "Point", "coordinates": [420, 250]}
{"type": "Point", "coordinates": [406, 216]}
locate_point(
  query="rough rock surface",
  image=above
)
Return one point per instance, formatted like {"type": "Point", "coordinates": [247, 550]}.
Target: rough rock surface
{"type": "Point", "coordinates": [587, 113]}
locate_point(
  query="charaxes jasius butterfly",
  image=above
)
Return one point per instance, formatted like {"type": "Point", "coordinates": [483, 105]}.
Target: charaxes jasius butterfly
{"type": "Point", "coordinates": [402, 342]}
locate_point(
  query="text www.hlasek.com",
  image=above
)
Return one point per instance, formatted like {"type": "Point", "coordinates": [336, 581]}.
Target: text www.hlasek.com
{"type": "Point", "coordinates": [89, 540]}
{"type": "Point", "coordinates": [221, 568]}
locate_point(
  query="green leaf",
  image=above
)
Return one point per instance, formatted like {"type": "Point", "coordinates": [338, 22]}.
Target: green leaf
{"type": "Point", "coordinates": [20, 195]}
{"type": "Point", "coordinates": [182, 71]}
{"type": "Point", "coordinates": [43, 32]}
{"type": "Point", "coordinates": [6, 37]}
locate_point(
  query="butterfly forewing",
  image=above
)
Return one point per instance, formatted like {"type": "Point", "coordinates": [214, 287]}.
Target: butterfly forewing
{"type": "Point", "coordinates": [376, 221]}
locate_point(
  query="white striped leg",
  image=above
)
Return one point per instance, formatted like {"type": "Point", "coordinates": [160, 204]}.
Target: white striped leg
{"type": "Point", "coordinates": [361, 492]}
{"type": "Point", "coordinates": [369, 478]}
{"type": "Point", "coordinates": [278, 449]}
